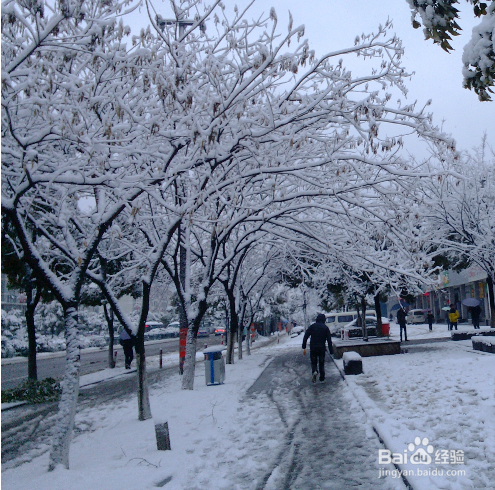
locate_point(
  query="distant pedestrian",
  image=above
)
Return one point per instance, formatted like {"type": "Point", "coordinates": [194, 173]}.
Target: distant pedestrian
{"type": "Point", "coordinates": [430, 318]}
{"type": "Point", "coordinates": [320, 334]}
{"type": "Point", "coordinates": [401, 320]}
{"type": "Point", "coordinates": [475, 315]}
{"type": "Point", "coordinates": [453, 317]}
{"type": "Point", "coordinates": [127, 343]}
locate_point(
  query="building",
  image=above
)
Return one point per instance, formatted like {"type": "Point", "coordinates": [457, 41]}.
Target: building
{"type": "Point", "coordinates": [452, 288]}
{"type": "Point", "coordinates": [12, 298]}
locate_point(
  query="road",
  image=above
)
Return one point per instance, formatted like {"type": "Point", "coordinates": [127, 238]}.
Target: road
{"type": "Point", "coordinates": [14, 371]}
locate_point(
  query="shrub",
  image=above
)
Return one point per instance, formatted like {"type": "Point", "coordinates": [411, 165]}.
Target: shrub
{"type": "Point", "coordinates": [33, 391]}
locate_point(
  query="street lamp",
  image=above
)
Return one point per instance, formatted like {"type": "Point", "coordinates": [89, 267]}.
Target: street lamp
{"type": "Point", "coordinates": [180, 21]}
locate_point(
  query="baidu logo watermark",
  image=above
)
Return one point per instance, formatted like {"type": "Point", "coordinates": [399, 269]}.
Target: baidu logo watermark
{"type": "Point", "coordinates": [420, 452]}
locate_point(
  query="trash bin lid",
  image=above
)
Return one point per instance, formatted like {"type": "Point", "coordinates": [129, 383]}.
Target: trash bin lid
{"type": "Point", "coordinates": [214, 348]}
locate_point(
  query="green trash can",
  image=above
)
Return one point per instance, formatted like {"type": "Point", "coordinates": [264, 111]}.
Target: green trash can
{"type": "Point", "coordinates": [214, 365]}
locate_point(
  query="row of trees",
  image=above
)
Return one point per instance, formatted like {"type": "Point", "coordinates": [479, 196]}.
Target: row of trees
{"type": "Point", "coordinates": [212, 159]}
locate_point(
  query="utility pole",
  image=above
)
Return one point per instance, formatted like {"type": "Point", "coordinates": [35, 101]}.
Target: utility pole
{"type": "Point", "coordinates": [183, 329]}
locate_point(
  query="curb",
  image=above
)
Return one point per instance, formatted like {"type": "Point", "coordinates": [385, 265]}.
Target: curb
{"type": "Point", "coordinates": [61, 353]}
{"type": "Point", "coordinates": [10, 406]}
{"type": "Point", "coordinates": [375, 430]}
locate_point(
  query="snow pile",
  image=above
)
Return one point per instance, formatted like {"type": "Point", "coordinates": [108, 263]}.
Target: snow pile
{"type": "Point", "coordinates": [484, 343]}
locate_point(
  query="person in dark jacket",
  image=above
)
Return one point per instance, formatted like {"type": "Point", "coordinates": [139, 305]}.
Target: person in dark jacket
{"type": "Point", "coordinates": [475, 315]}
{"type": "Point", "coordinates": [127, 343]}
{"type": "Point", "coordinates": [401, 320]}
{"type": "Point", "coordinates": [320, 334]}
{"type": "Point", "coordinates": [430, 318]}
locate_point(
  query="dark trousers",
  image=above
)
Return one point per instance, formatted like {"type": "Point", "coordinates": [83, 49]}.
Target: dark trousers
{"type": "Point", "coordinates": [403, 327]}
{"type": "Point", "coordinates": [452, 326]}
{"type": "Point", "coordinates": [476, 322]}
{"type": "Point", "coordinates": [127, 346]}
{"type": "Point", "coordinates": [317, 357]}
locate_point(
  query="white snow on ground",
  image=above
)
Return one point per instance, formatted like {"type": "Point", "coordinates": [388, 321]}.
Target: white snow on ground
{"type": "Point", "coordinates": [421, 331]}
{"type": "Point", "coordinates": [442, 391]}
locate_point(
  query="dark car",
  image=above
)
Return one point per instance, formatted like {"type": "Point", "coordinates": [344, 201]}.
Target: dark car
{"type": "Point", "coordinates": [203, 332]}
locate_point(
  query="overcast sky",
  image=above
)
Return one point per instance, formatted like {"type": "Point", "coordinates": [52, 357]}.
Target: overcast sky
{"type": "Point", "coordinates": [334, 24]}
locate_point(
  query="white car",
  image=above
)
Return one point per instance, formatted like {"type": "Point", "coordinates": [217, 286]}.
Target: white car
{"type": "Point", "coordinates": [416, 316]}
{"type": "Point", "coordinates": [297, 330]}
{"type": "Point", "coordinates": [352, 331]}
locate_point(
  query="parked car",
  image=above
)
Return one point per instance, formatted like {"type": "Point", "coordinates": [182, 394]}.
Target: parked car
{"type": "Point", "coordinates": [335, 321]}
{"type": "Point", "coordinates": [149, 326]}
{"type": "Point", "coordinates": [297, 330]}
{"type": "Point", "coordinates": [219, 331]}
{"type": "Point", "coordinates": [351, 330]}
{"type": "Point", "coordinates": [203, 332]}
{"type": "Point", "coordinates": [416, 316]}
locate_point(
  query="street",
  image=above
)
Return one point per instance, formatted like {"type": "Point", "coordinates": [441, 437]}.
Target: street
{"type": "Point", "coordinates": [14, 371]}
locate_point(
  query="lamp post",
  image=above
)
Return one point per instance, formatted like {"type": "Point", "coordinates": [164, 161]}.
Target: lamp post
{"type": "Point", "coordinates": [182, 23]}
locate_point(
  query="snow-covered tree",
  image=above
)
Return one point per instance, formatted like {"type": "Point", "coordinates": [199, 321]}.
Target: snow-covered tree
{"type": "Point", "coordinates": [74, 131]}
{"type": "Point", "coordinates": [439, 18]}
{"type": "Point", "coordinates": [459, 213]}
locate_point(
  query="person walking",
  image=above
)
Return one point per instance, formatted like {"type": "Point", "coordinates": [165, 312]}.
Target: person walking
{"type": "Point", "coordinates": [475, 315]}
{"type": "Point", "coordinates": [401, 320]}
{"type": "Point", "coordinates": [430, 318]}
{"type": "Point", "coordinates": [320, 334]}
{"type": "Point", "coordinates": [127, 343]}
{"type": "Point", "coordinates": [453, 317]}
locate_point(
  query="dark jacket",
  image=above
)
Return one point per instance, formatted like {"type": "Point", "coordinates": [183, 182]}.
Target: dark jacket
{"type": "Point", "coordinates": [319, 334]}
{"type": "Point", "coordinates": [475, 312]}
{"type": "Point", "coordinates": [401, 317]}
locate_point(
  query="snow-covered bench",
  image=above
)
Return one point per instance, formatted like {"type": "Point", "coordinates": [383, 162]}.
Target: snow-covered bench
{"type": "Point", "coordinates": [484, 343]}
{"type": "Point", "coordinates": [353, 363]}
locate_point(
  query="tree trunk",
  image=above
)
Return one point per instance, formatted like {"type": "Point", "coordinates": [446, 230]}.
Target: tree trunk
{"type": "Point", "coordinates": [248, 340]}
{"type": "Point", "coordinates": [234, 325]}
{"type": "Point", "coordinates": [363, 308]}
{"type": "Point", "coordinates": [229, 358]}
{"type": "Point", "coordinates": [109, 319]}
{"type": "Point", "coordinates": [378, 310]}
{"type": "Point", "coordinates": [190, 361]}
{"type": "Point", "coordinates": [491, 296]}
{"type": "Point", "coordinates": [59, 454]}
{"type": "Point", "coordinates": [144, 408]}
{"type": "Point", "coordinates": [241, 330]}
{"type": "Point", "coordinates": [31, 304]}
{"type": "Point", "coordinates": [239, 341]}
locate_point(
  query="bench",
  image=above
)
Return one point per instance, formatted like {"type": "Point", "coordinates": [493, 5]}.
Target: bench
{"type": "Point", "coordinates": [353, 363]}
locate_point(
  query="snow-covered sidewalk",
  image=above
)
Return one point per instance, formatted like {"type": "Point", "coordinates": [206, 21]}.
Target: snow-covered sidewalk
{"type": "Point", "coordinates": [437, 398]}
